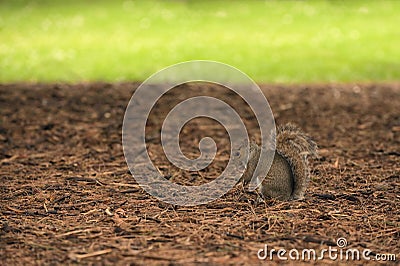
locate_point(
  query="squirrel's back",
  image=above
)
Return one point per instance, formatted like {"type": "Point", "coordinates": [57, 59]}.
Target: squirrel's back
{"type": "Point", "coordinates": [295, 146]}
{"type": "Point", "coordinates": [289, 173]}
{"type": "Point", "coordinates": [279, 182]}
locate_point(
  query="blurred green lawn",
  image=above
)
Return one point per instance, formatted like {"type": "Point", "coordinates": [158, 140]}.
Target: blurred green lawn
{"type": "Point", "coordinates": [271, 41]}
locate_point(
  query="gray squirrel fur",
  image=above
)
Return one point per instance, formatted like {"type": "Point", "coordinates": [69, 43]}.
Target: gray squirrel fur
{"type": "Point", "coordinates": [288, 177]}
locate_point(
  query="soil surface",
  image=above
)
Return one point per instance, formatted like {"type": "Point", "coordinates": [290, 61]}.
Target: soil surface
{"type": "Point", "coordinates": [67, 196]}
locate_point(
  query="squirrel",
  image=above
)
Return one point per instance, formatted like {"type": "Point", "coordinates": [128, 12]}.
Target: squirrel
{"type": "Point", "coordinates": [288, 177]}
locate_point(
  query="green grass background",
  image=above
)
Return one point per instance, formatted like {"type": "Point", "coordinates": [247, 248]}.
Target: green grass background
{"type": "Point", "coordinates": [271, 41]}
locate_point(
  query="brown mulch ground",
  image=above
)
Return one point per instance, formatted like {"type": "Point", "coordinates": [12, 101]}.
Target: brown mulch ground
{"type": "Point", "coordinates": [67, 195]}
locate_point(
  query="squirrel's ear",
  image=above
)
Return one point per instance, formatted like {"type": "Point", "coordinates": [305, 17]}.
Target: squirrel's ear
{"type": "Point", "coordinates": [270, 143]}
{"type": "Point", "coordinates": [273, 133]}
{"type": "Point", "coordinates": [243, 143]}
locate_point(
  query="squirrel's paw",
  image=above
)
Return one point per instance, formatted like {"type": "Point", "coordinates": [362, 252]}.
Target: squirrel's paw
{"type": "Point", "coordinates": [297, 197]}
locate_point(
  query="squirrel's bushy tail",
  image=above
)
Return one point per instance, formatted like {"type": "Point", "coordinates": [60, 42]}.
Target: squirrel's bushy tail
{"type": "Point", "coordinates": [296, 146]}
